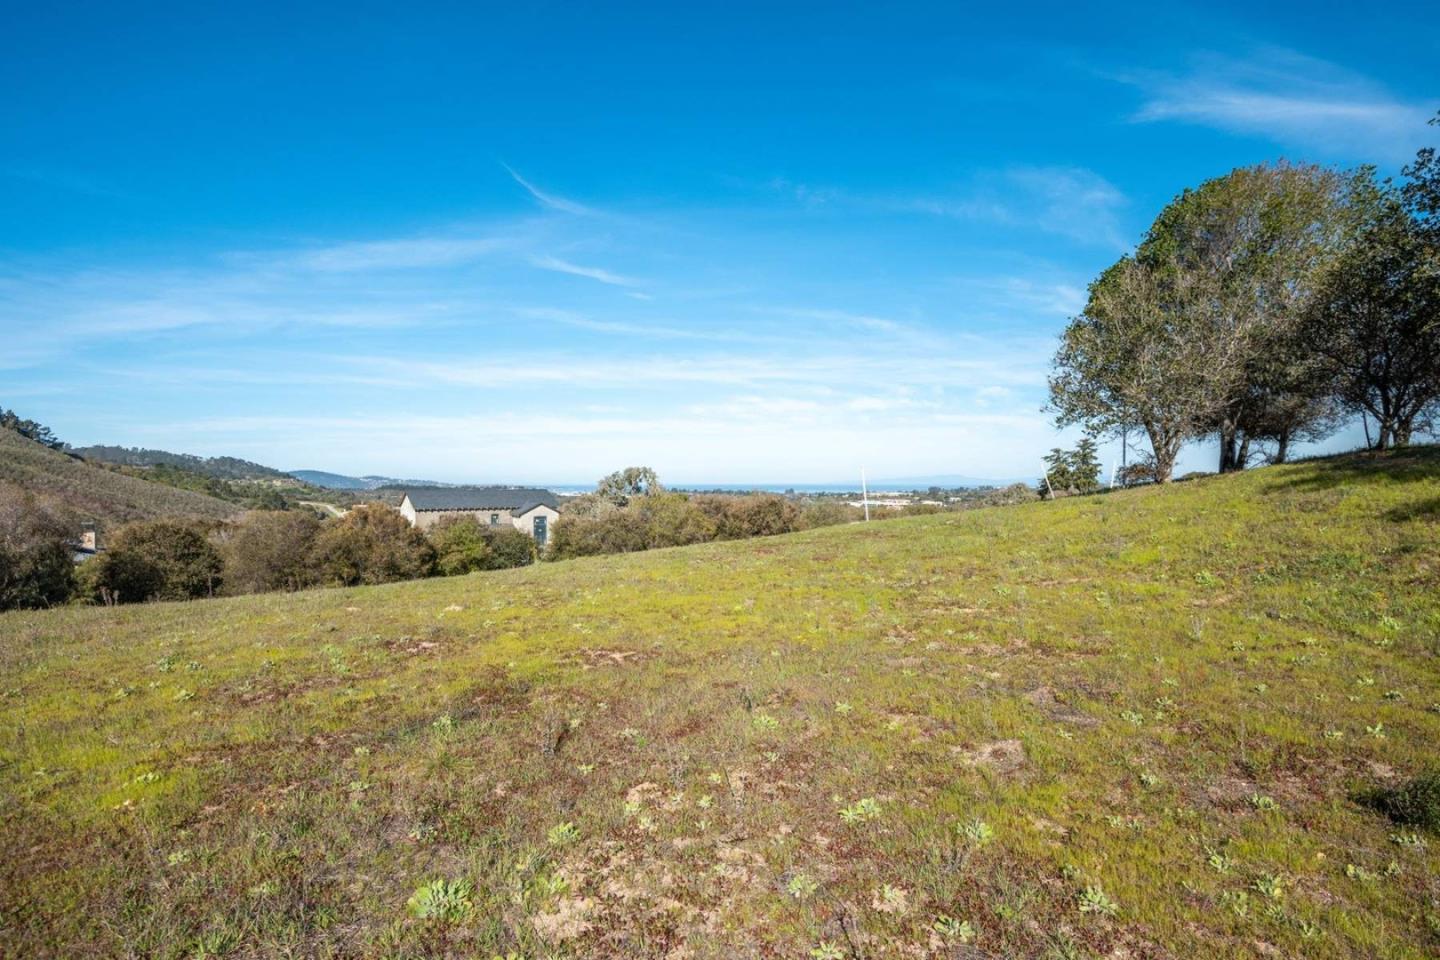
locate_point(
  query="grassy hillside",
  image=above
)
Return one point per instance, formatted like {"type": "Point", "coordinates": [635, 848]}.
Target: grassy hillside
{"type": "Point", "coordinates": [94, 492]}
{"type": "Point", "coordinates": [1120, 726]}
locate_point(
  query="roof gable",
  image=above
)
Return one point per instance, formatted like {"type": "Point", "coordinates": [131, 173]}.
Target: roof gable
{"type": "Point", "coordinates": [515, 499]}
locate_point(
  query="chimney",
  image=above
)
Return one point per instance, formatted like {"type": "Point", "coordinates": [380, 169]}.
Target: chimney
{"type": "Point", "coordinates": [87, 538]}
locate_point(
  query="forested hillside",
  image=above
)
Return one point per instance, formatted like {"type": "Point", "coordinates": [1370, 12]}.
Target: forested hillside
{"type": "Point", "coordinates": [221, 468]}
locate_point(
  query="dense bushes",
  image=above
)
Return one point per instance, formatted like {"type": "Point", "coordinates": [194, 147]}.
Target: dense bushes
{"type": "Point", "coordinates": [155, 560]}
{"type": "Point", "coordinates": [264, 551]}
{"type": "Point", "coordinates": [464, 545]}
{"type": "Point", "coordinates": [293, 550]}
{"type": "Point", "coordinates": [663, 518]}
{"type": "Point", "coordinates": [371, 544]}
{"type": "Point", "coordinates": [36, 569]}
{"type": "Point", "coordinates": [757, 515]}
{"type": "Point", "coordinates": [271, 550]}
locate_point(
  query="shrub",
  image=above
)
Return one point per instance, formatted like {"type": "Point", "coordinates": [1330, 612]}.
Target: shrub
{"type": "Point", "coordinates": [270, 550]}
{"type": "Point", "coordinates": [464, 544]}
{"type": "Point", "coordinates": [580, 536]}
{"type": "Point", "coordinates": [371, 544]}
{"type": "Point", "coordinates": [670, 520]}
{"type": "Point", "coordinates": [1415, 803]}
{"type": "Point", "coordinates": [36, 568]}
{"type": "Point", "coordinates": [827, 513]}
{"type": "Point", "coordinates": [157, 560]}
{"type": "Point", "coordinates": [510, 547]}
{"type": "Point", "coordinates": [588, 506]}
{"type": "Point", "coordinates": [755, 515]}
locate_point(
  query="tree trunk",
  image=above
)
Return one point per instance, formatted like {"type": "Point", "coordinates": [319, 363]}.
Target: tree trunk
{"type": "Point", "coordinates": [1400, 433]}
{"type": "Point", "coordinates": [1227, 445]}
{"type": "Point", "coordinates": [1242, 456]}
{"type": "Point", "coordinates": [1282, 447]}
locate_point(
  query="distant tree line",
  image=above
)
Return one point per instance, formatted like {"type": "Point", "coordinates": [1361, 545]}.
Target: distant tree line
{"type": "Point", "coordinates": [630, 511]}
{"type": "Point", "coordinates": [222, 468]}
{"type": "Point", "coordinates": [31, 429]}
{"type": "Point", "coordinates": [1262, 308]}
{"type": "Point", "coordinates": [180, 559]}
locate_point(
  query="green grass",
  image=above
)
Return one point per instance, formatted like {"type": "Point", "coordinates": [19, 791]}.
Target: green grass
{"type": "Point", "coordinates": [1127, 725]}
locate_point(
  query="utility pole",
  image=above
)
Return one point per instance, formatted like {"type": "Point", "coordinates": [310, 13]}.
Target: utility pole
{"type": "Point", "coordinates": [864, 495]}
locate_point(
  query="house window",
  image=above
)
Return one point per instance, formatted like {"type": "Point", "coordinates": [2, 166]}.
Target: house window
{"type": "Point", "coordinates": [494, 519]}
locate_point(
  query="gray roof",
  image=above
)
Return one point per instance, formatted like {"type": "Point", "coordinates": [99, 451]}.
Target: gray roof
{"type": "Point", "coordinates": [517, 500]}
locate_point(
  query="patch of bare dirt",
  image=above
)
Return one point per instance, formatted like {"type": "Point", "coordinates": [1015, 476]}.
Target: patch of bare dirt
{"type": "Point", "coordinates": [1002, 756]}
{"type": "Point", "coordinates": [609, 658]}
{"type": "Point", "coordinates": [1056, 709]}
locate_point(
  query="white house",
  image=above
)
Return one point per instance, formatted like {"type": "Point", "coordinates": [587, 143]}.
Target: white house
{"type": "Point", "coordinates": [526, 509]}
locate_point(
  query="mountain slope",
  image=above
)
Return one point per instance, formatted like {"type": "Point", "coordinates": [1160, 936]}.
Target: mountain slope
{"type": "Point", "coordinates": [221, 468]}
{"type": "Point", "coordinates": [94, 492]}
{"type": "Point", "coordinates": [1120, 726]}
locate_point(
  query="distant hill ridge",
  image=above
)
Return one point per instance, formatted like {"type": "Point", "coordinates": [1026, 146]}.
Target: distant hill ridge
{"type": "Point", "coordinates": [223, 468]}
{"type": "Point", "coordinates": [339, 481]}
{"type": "Point", "coordinates": [95, 492]}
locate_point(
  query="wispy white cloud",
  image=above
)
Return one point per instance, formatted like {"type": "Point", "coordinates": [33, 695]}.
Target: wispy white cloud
{"type": "Point", "coordinates": [404, 254]}
{"type": "Point", "coordinates": [974, 363]}
{"type": "Point", "coordinates": [546, 262]}
{"type": "Point", "coordinates": [1071, 202]}
{"type": "Point", "coordinates": [1030, 296]}
{"type": "Point", "coordinates": [648, 331]}
{"type": "Point", "coordinates": [1287, 97]}
{"type": "Point", "coordinates": [549, 200]}
{"type": "Point", "coordinates": [736, 441]}
{"type": "Point", "coordinates": [859, 320]}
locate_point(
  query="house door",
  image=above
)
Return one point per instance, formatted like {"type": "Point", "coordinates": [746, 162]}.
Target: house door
{"type": "Point", "coordinates": [540, 531]}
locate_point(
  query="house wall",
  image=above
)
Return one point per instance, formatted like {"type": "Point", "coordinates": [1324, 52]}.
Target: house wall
{"type": "Point", "coordinates": [425, 519]}
{"type": "Point", "coordinates": [525, 523]}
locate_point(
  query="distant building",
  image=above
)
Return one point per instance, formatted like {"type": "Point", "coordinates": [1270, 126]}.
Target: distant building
{"type": "Point", "coordinates": [526, 509]}
{"type": "Point", "coordinates": [86, 545]}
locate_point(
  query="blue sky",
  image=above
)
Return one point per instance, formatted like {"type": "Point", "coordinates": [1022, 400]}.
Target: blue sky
{"type": "Point", "coordinates": [739, 243]}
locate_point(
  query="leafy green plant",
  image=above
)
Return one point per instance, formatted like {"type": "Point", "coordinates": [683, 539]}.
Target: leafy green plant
{"type": "Point", "coordinates": [562, 834]}
{"type": "Point", "coordinates": [802, 886]}
{"type": "Point", "coordinates": [1094, 900]}
{"type": "Point", "coordinates": [861, 811]}
{"type": "Point", "coordinates": [953, 930]}
{"type": "Point", "coordinates": [1270, 885]}
{"type": "Point", "coordinates": [976, 832]}
{"type": "Point", "coordinates": [442, 900]}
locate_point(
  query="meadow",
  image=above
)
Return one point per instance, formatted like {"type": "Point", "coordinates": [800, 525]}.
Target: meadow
{"type": "Point", "coordinates": [1127, 725]}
